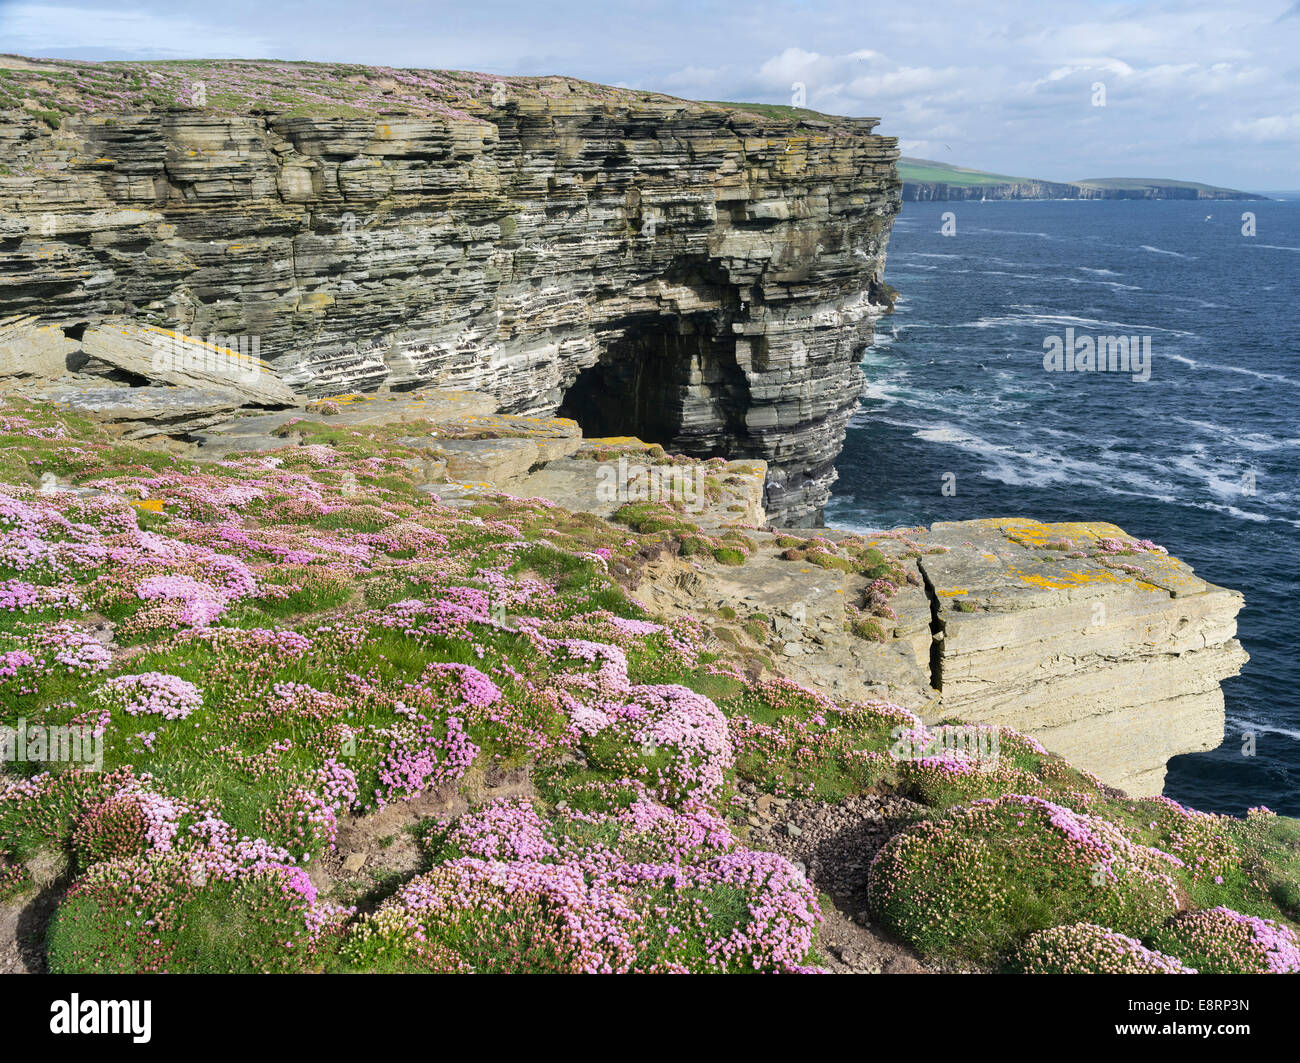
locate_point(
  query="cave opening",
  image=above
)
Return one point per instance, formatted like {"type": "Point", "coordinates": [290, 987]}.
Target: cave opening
{"type": "Point", "coordinates": [670, 379]}
{"type": "Point", "coordinates": [639, 387]}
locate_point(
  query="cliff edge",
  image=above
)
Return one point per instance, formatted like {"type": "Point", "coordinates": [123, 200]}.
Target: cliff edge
{"type": "Point", "coordinates": [690, 273]}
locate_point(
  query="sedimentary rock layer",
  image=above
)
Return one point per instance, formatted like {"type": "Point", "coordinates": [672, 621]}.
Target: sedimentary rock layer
{"type": "Point", "coordinates": [1104, 648]}
{"type": "Point", "coordinates": [689, 273]}
{"type": "Point", "coordinates": [1112, 657]}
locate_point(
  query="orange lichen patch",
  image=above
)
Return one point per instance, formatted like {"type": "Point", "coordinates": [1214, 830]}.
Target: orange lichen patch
{"type": "Point", "coordinates": [180, 337]}
{"type": "Point", "coordinates": [953, 592]}
{"type": "Point", "coordinates": [983, 523]}
{"type": "Point", "coordinates": [1170, 574]}
{"type": "Point", "coordinates": [1159, 571]}
{"type": "Point", "coordinates": [1065, 579]}
{"type": "Point", "coordinates": [1035, 533]}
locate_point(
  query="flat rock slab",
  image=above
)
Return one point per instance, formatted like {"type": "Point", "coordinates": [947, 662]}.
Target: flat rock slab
{"type": "Point", "coordinates": [28, 350]}
{"type": "Point", "coordinates": [218, 447]}
{"type": "Point", "coordinates": [572, 484]}
{"type": "Point", "coordinates": [142, 412]}
{"type": "Point", "coordinates": [455, 494]}
{"type": "Point", "coordinates": [259, 426]}
{"type": "Point", "coordinates": [1113, 659]}
{"type": "Point", "coordinates": [556, 437]}
{"type": "Point", "coordinates": [605, 474]}
{"type": "Point", "coordinates": [802, 611]}
{"type": "Point", "coordinates": [437, 406]}
{"type": "Point", "coordinates": [497, 462]}
{"type": "Point", "coordinates": [250, 431]}
{"type": "Point", "coordinates": [157, 354]}
{"type": "Point", "coordinates": [1008, 564]}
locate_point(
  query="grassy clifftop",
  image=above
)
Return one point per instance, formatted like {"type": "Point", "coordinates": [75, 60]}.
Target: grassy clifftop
{"type": "Point", "coordinates": [916, 172]}
{"type": "Point", "coordinates": [296, 657]}
{"type": "Point", "coordinates": [925, 170]}
{"type": "Point", "coordinates": [56, 89]}
{"type": "Point", "coordinates": [239, 86]}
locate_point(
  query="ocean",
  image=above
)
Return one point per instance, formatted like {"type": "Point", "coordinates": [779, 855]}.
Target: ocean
{"type": "Point", "coordinates": [1202, 457]}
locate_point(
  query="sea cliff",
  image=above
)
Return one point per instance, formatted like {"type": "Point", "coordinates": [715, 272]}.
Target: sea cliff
{"type": "Point", "coordinates": [473, 617]}
{"type": "Point", "coordinates": [547, 241]}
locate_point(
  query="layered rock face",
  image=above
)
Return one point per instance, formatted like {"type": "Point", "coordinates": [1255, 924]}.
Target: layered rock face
{"type": "Point", "coordinates": [687, 273]}
{"type": "Point", "coordinates": [931, 191]}
{"type": "Point", "coordinates": [1106, 652]}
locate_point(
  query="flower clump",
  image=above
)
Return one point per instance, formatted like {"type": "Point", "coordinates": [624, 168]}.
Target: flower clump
{"type": "Point", "coordinates": [1222, 941]}
{"type": "Point", "coordinates": [514, 893]}
{"type": "Point", "coordinates": [1085, 948]}
{"type": "Point", "coordinates": [132, 821]}
{"type": "Point", "coordinates": [152, 694]}
{"type": "Point", "coordinates": [986, 874]}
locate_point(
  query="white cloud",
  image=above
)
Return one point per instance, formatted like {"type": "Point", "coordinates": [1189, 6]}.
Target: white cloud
{"type": "Point", "coordinates": [1273, 127]}
{"type": "Point", "coordinates": [28, 28]}
{"type": "Point", "coordinates": [1194, 88]}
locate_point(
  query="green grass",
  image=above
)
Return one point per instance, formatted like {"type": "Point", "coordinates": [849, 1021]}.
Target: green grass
{"type": "Point", "coordinates": [1148, 182]}
{"type": "Point", "coordinates": [929, 172]}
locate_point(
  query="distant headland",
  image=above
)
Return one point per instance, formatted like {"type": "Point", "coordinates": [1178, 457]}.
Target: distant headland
{"type": "Point", "coordinates": [925, 180]}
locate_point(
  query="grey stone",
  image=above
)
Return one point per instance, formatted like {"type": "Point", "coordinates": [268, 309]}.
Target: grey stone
{"type": "Point", "coordinates": [730, 262]}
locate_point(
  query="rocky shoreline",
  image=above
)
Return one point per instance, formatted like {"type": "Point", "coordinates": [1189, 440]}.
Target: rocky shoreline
{"type": "Point", "coordinates": [478, 615]}
{"type": "Point", "coordinates": [937, 191]}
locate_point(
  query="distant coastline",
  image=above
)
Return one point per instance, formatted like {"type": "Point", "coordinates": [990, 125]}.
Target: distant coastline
{"type": "Point", "coordinates": [928, 181]}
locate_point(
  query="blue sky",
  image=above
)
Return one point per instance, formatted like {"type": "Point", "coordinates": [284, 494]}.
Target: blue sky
{"type": "Point", "coordinates": [1197, 90]}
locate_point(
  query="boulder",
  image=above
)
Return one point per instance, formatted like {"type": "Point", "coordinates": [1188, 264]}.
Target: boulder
{"type": "Point", "coordinates": [159, 355]}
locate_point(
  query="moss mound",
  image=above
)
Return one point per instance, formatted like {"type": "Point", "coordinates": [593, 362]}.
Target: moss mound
{"type": "Point", "coordinates": [973, 884]}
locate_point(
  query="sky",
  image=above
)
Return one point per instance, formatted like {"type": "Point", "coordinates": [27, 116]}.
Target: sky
{"type": "Point", "coordinates": [1203, 91]}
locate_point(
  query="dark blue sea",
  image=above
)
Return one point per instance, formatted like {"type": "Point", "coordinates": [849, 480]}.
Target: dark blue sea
{"type": "Point", "coordinates": [956, 384]}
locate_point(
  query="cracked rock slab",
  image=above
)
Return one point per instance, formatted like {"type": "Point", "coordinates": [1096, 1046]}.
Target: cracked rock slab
{"type": "Point", "coordinates": [1113, 660]}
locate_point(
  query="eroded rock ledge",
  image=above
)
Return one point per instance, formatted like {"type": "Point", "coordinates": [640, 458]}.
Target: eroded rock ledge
{"type": "Point", "coordinates": [1106, 652]}
{"type": "Point", "coordinates": [1104, 648]}
{"type": "Point", "coordinates": [689, 273]}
